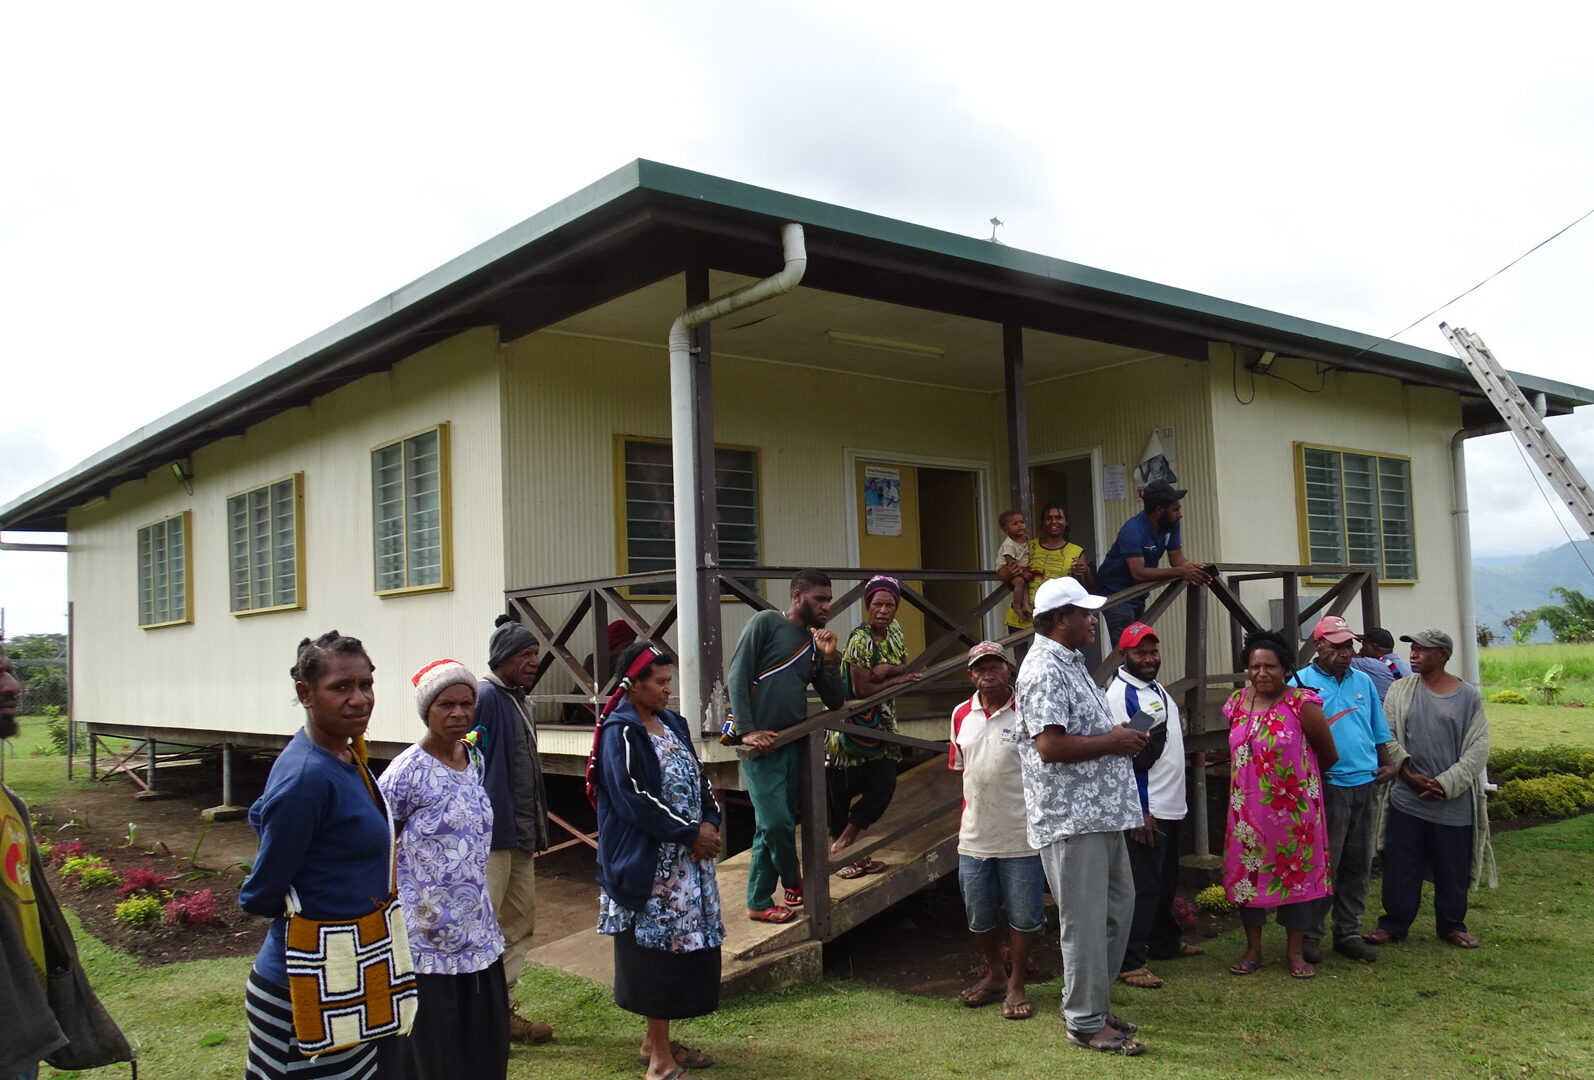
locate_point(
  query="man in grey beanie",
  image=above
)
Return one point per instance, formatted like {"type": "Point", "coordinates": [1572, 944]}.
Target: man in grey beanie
{"type": "Point", "coordinates": [512, 776]}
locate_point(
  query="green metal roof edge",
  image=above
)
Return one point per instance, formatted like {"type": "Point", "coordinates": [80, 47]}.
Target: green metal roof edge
{"type": "Point", "coordinates": [670, 180]}
{"type": "Point", "coordinates": [776, 205]}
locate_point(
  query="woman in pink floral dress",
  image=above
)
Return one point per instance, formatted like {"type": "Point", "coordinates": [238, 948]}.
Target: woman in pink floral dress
{"type": "Point", "coordinates": [1276, 854]}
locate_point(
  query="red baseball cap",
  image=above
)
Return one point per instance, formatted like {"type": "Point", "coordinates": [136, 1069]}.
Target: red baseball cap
{"type": "Point", "coordinates": [1134, 634]}
{"type": "Point", "coordinates": [1334, 629]}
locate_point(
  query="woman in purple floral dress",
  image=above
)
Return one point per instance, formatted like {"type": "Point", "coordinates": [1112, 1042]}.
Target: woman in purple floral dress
{"type": "Point", "coordinates": [1276, 854]}
{"type": "Point", "coordinates": [444, 822]}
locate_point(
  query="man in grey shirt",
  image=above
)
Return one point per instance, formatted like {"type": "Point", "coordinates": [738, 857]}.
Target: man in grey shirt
{"type": "Point", "coordinates": [1434, 809]}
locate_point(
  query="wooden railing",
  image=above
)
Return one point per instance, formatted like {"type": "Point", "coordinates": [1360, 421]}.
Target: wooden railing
{"type": "Point", "coordinates": [937, 663]}
{"type": "Point", "coordinates": [598, 600]}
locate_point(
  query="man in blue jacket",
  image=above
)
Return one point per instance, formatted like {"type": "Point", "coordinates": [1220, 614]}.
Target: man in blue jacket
{"type": "Point", "coordinates": [512, 776]}
{"type": "Point", "coordinates": [1361, 734]}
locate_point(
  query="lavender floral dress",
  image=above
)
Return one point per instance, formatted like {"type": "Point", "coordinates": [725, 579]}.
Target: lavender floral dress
{"type": "Point", "coordinates": [445, 825]}
{"type": "Point", "coordinates": [683, 913]}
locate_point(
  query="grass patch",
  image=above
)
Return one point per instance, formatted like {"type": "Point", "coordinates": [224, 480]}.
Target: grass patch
{"type": "Point", "coordinates": [1423, 1010]}
{"type": "Point", "coordinates": [1510, 666]}
{"type": "Point", "coordinates": [1537, 726]}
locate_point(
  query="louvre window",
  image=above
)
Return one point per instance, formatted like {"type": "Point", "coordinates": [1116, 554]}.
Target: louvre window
{"type": "Point", "coordinates": [263, 547]}
{"type": "Point", "coordinates": [649, 522]}
{"type": "Point", "coordinates": [1358, 510]}
{"type": "Point", "coordinates": [163, 598]}
{"type": "Point", "coordinates": [409, 496]}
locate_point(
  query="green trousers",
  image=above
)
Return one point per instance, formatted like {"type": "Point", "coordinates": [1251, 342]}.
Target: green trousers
{"type": "Point", "coordinates": [773, 784]}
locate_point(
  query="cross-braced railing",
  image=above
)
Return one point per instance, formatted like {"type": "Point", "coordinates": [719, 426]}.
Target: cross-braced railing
{"type": "Point", "coordinates": [941, 661]}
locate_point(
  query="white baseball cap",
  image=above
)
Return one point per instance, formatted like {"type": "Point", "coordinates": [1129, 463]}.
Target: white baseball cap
{"type": "Point", "coordinates": [1064, 591]}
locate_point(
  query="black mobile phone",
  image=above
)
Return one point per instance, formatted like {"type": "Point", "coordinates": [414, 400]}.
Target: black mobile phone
{"type": "Point", "coordinates": [1142, 721]}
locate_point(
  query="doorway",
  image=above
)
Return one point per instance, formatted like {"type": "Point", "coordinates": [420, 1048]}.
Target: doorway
{"type": "Point", "coordinates": [1071, 480]}
{"type": "Point", "coordinates": [917, 515]}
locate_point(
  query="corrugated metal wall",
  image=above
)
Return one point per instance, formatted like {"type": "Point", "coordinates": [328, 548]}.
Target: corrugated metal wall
{"type": "Point", "coordinates": [230, 673]}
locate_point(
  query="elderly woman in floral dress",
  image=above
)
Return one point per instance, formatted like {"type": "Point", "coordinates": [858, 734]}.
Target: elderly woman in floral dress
{"type": "Point", "coordinates": [444, 823]}
{"type": "Point", "coordinates": [1276, 854]}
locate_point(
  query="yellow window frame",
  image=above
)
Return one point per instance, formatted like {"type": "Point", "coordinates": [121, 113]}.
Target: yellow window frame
{"type": "Point", "coordinates": [187, 518]}
{"type": "Point", "coordinates": [298, 546]}
{"type": "Point", "coordinates": [445, 517]}
{"type": "Point", "coordinates": [1303, 525]}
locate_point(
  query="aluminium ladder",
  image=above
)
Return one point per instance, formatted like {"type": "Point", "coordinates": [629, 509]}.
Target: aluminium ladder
{"type": "Point", "coordinates": [1525, 423]}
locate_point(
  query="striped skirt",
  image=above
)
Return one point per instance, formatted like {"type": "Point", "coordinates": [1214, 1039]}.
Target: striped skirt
{"type": "Point", "coordinates": [274, 1052]}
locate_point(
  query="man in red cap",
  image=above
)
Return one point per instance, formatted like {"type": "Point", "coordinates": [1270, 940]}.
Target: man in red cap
{"type": "Point", "coordinates": [1361, 735]}
{"type": "Point", "coordinates": [1159, 779]}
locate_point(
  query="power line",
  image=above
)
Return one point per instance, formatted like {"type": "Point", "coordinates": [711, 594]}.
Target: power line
{"type": "Point", "coordinates": [1458, 296]}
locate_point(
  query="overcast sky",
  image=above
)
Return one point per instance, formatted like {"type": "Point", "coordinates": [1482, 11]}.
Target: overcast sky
{"type": "Point", "coordinates": [192, 188]}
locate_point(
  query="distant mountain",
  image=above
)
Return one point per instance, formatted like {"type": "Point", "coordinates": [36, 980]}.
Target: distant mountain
{"type": "Point", "coordinates": [1501, 585]}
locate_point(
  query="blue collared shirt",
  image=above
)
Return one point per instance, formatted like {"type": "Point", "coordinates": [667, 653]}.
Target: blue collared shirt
{"type": "Point", "coordinates": [1356, 718]}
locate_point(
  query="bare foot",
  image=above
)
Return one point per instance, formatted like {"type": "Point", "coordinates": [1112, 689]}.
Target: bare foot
{"type": "Point", "coordinates": [848, 837]}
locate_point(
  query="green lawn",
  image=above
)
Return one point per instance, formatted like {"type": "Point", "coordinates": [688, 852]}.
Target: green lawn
{"type": "Point", "coordinates": [1509, 666]}
{"type": "Point", "coordinates": [1522, 1006]}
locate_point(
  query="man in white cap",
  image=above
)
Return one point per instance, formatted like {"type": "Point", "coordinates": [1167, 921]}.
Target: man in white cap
{"type": "Point", "coordinates": [1361, 735]}
{"type": "Point", "coordinates": [1079, 791]}
{"type": "Point", "coordinates": [997, 868]}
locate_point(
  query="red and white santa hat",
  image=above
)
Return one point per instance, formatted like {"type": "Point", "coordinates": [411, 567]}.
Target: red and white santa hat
{"type": "Point", "coordinates": [436, 677]}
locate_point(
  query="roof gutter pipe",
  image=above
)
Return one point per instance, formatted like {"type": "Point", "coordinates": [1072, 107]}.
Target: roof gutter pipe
{"type": "Point", "coordinates": [1468, 642]}
{"type": "Point", "coordinates": [692, 553]}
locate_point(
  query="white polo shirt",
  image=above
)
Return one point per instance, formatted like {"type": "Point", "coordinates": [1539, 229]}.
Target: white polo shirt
{"type": "Point", "coordinates": [985, 749]}
{"type": "Point", "coordinates": [1165, 778]}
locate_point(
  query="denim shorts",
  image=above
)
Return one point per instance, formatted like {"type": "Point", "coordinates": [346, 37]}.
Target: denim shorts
{"type": "Point", "coordinates": [988, 885]}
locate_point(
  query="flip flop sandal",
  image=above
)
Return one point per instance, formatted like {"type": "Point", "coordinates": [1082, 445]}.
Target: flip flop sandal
{"type": "Point", "coordinates": [1303, 971]}
{"type": "Point", "coordinates": [1118, 1044]}
{"type": "Point", "coordinates": [1018, 1010]}
{"type": "Point", "coordinates": [678, 1073]}
{"type": "Point", "coordinates": [976, 996]}
{"type": "Point", "coordinates": [872, 866]}
{"type": "Point", "coordinates": [685, 1057]}
{"type": "Point", "coordinates": [794, 898]}
{"type": "Point", "coordinates": [1187, 949]}
{"type": "Point", "coordinates": [776, 914]}
{"type": "Point", "coordinates": [1245, 967]}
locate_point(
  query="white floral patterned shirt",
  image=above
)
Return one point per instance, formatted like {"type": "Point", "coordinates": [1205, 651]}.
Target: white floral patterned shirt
{"type": "Point", "coordinates": [445, 822]}
{"type": "Point", "coordinates": [1055, 690]}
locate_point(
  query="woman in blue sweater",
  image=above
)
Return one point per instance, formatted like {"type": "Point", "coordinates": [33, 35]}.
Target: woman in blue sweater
{"type": "Point", "coordinates": [658, 835]}
{"type": "Point", "coordinates": [322, 832]}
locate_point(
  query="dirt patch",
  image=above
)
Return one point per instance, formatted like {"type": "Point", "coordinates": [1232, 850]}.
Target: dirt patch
{"type": "Point", "coordinates": [170, 837]}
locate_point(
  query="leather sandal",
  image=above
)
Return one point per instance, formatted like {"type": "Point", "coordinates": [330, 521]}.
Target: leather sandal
{"type": "Point", "coordinates": [1460, 939]}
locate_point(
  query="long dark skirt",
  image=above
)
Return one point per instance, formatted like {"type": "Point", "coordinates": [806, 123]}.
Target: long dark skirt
{"type": "Point", "coordinates": [274, 1052]}
{"type": "Point", "coordinates": [665, 985]}
{"type": "Point", "coordinates": [462, 1025]}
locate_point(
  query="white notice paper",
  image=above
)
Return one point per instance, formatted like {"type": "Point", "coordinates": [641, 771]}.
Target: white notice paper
{"type": "Point", "coordinates": [1114, 483]}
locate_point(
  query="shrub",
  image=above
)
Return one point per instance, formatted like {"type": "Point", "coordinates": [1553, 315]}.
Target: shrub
{"type": "Point", "coordinates": [97, 877]}
{"type": "Point", "coordinates": [143, 879]}
{"type": "Point", "coordinates": [44, 845]}
{"type": "Point", "coordinates": [59, 728]}
{"type": "Point", "coordinates": [1508, 697]}
{"type": "Point", "coordinates": [72, 866]}
{"type": "Point", "coordinates": [1545, 796]}
{"type": "Point", "coordinates": [1525, 764]}
{"type": "Point", "coordinates": [1213, 898]}
{"type": "Point", "coordinates": [194, 909]}
{"type": "Point", "coordinates": [138, 911]}
{"type": "Point", "coordinates": [71, 849]}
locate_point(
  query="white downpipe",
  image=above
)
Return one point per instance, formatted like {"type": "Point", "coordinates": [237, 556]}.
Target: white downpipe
{"type": "Point", "coordinates": [1468, 644]}
{"type": "Point", "coordinates": [688, 481]}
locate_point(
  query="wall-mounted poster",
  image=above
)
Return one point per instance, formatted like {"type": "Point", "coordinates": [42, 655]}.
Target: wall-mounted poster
{"type": "Point", "coordinates": [882, 500]}
{"type": "Point", "coordinates": [1158, 462]}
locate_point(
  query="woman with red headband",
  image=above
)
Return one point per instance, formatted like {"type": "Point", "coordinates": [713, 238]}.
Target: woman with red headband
{"type": "Point", "coordinates": [658, 835]}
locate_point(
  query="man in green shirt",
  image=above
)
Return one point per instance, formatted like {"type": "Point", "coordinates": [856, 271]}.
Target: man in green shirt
{"type": "Point", "coordinates": [778, 657]}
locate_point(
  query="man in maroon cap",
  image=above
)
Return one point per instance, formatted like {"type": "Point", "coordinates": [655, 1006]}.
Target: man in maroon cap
{"type": "Point", "coordinates": [1361, 735]}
